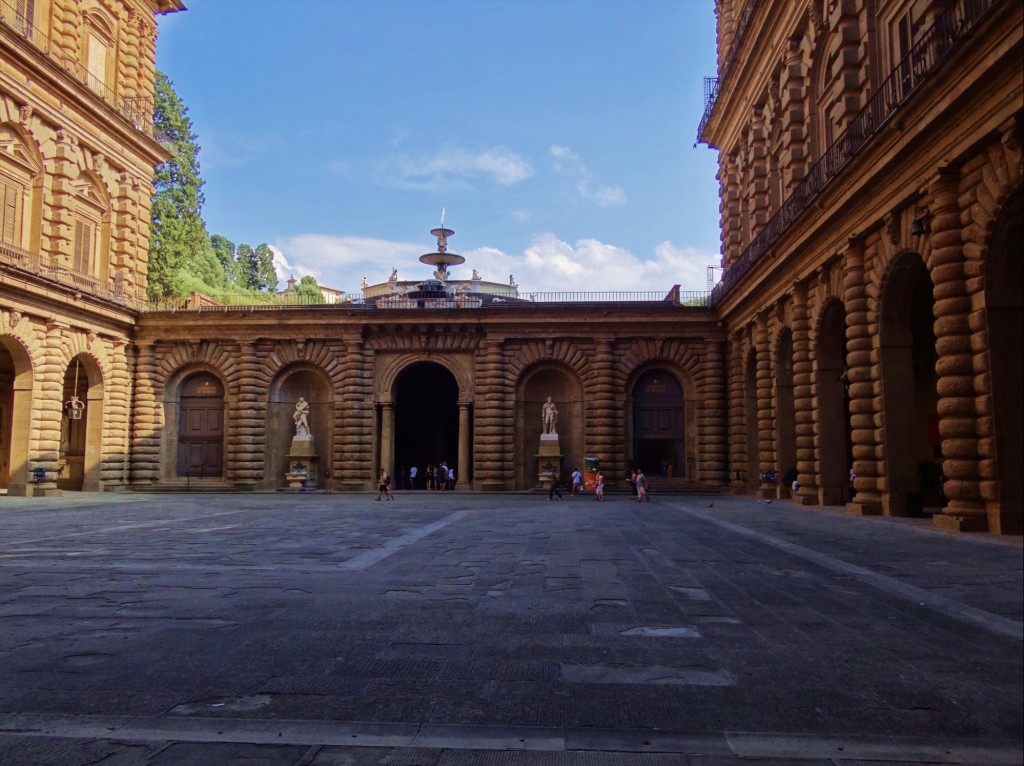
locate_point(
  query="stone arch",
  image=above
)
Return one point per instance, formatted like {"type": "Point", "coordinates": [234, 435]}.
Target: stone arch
{"type": "Point", "coordinates": [312, 383]}
{"type": "Point", "coordinates": [671, 419]}
{"type": "Point", "coordinates": [833, 439]}
{"type": "Point", "coordinates": [175, 420]}
{"type": "Point", "coordinates": [82, 418]}
{"type": "Point", "coordinates": [1004, 292]}
{"type": "Point", "coordinates": [908, 359]}
{"type": "Point", "coordinates": [560, 381]}
{"type": "Point", "coordinates": [16, 387]}
{"type": "Point", "coordinates": [395, 367]}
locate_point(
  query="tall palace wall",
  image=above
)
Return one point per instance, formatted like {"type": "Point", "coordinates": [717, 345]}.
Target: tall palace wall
{"type": "Point", "coordinates": [862, 350]}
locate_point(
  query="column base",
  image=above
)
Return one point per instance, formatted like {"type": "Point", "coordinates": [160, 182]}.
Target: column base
{"type": "Point", "coordinates": [864, 509]}
{"type": "Point", "coordinates": [951, 523]}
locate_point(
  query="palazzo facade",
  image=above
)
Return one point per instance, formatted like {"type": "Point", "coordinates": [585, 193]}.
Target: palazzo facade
{"type": "Point", "coordinates": [871, 209]}
{"type": "Point", "coordinates": [77, 153]}
{"type": "Point", "coordinates": [868, 318]}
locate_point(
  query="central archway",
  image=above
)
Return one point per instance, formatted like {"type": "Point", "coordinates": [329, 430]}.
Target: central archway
{"type": "Point", "coordinates": [426, 400]}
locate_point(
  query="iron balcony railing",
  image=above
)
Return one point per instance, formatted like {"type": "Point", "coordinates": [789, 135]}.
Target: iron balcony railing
{"type": "Point", "coordinates": [138, 111]}
{"type": "Point", "coordinates": [113, 289]}
{"type": "Point", "coordinates": [936, 45]}
{"type": "Point", "coordinates": [711, 84]}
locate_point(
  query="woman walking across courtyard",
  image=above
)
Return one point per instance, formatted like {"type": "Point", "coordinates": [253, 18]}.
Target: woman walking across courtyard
{"type": "Point", "coordinates": [384, 485]}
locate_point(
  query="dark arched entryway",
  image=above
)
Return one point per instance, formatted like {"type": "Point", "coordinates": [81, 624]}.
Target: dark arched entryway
{"type": "Point", "coordinates": [201, 427]}
{"type": "Point", "coordinates": [835, 451]}
{"type": "Point", "coordinates": [659, 425]}
{"type": "Point", "coordinates": [1004, 293]}
{"type": "Point", "coordinates": [913, 462]}
{"type": "Point", "coordinates": [426, 419]}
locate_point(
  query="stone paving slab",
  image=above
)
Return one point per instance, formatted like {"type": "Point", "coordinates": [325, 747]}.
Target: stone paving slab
{"type": "Point", "coordinates": [458, 628]}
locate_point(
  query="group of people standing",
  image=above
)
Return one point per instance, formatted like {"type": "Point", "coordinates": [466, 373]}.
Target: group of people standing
{"type": "Point", "coordinates": [440, 477]}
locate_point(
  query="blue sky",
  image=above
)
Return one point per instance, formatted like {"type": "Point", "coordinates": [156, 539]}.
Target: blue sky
{"type": "Point", "coordinates": [557, 135]}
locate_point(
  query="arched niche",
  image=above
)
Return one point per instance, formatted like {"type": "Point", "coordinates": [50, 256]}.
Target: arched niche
{"type": "Point", "coordinates": [312, 384]}
{"type": "Point", "coordinates": [566, 391]}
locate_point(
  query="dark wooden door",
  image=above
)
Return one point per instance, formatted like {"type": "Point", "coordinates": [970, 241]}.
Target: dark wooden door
{"type": "Point", "coordinates": [201, 428]}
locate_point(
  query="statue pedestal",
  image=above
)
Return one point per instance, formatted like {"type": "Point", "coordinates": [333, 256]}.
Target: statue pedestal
{"type": "Point", "coordinates": [302, 465]}
{"type": "Point", "coordinates": [549, 460]}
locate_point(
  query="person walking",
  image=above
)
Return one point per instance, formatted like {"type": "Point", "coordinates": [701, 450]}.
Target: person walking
{"type": "Point", "coordinates": [632, 484]}
{"type": "Point", "coordinates": [577, 482]}
{"type": "Point", "coordinates": [641, 486]}
{"type": "Point", "coordinates": [451, 477]}
{"type": "Point", "coordinates": [599, 487]}
{"type": "Point", "coordinates": [554, 489]}
{"type": "Point", "coordinates": [412, 477]}
{"type": "Point", "coordinates": [384, 485]}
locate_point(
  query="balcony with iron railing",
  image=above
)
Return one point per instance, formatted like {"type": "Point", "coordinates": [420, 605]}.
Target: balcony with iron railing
{"type": "Point", "coordinates": [138, 111]}
{"type": "Point", "coordinates": [711, 84]}
{"type": "Point", "coordinates": [26, 265]}
{"type": "Point", "coordinates": [937, 44]}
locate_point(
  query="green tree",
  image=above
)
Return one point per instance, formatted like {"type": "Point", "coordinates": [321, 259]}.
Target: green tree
{"type": "Point", "coordinates": [179, 245]}
{"type": "Point", "coordinates": [224, 249]}
{"type": "Point", "coordinates": [256, 267]}
{"type": "Point", "coordinates": [308, 291]}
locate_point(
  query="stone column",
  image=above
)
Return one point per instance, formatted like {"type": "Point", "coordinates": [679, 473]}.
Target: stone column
{"type": "Point", "coordinates": [737, 422]}
{"type": "Point", "coordinates": [465, 431]}
{"type": "Point", "coordinates": [860, 331]}
{"type": "Point", "coordinates": [117, 418]}
{"type": "Point", "coordinates": [354, 429]}
{"type": "Point", "coordinates": [765, 413]}
{"type": "Point", "coordinates": [713, 438]}
{"type": "Point", "coordinates": [46, 450]}
{"type": "Point", "coordinates": [147, 418]}
{"type": "Point", "coordinates": [957, 407]}
{"type": "Point", "coordinates": [803, 399]}
{"type": "Point", "coordinates": [387, 436]}
{"type": "Point", "coordinates": [248, 428]}
{"type": "Point", "coordinates": [492, 424]}
{"type": "Point", "coordinates": [603, 417]}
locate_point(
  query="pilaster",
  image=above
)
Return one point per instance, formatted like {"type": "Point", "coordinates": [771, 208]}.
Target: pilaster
{"type": "Point", "coordinates": [862, 384]}
{"type": "Point", "coordinates": [957, 408]}
{"type": "Point", "coordinates": [803, 399]}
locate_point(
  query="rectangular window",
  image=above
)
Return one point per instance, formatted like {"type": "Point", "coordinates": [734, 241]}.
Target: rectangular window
{"type": "Point", "coordinates": [83, 247]}
{"type": "Point", "coordinates": [24, 17]}
{"type": "Point", "coordinates": [10, 196]}
{"type": "Point", "coordinates": [96, 65]}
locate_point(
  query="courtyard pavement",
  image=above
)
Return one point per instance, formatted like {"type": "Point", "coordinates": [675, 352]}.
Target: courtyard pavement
{"type": "Point", "coordinates": [446, 629]}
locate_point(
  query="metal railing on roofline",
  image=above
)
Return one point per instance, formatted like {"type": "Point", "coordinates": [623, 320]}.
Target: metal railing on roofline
{"type": "Point", "coordinates": [935, 46]}
{"type": "Point", "coordinates": [350, 301]}
{"type": "Point", "coordinates": [138, 111]}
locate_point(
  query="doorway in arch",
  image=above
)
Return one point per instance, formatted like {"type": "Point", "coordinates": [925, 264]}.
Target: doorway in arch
{"type": "Point", "coordinates": [201, 427]}
{"type": "Point", "coordinates": [659, 445]}
{"type": "Point", "coordinates": [426, 420]}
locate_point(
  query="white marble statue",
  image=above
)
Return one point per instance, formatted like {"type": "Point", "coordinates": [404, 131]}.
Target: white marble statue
{"type": "Point", "coordinates": [549, 416]}
{"type": "Point", "coordinates": [301, 418]}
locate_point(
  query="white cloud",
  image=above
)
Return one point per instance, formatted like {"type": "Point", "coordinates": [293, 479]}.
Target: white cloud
{"type": "Point", "coordinates": [454, 167]}
{"type": "Point", "coordinates": [568, 163]}
{"type": "Point", "coordinates": [548, 264]}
